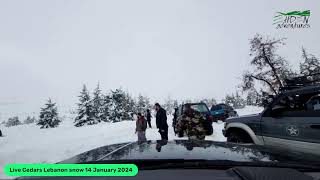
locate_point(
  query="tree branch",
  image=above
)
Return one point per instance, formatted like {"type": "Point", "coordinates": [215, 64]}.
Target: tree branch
{"type": "Point", "coordinates": [265, 81]}
{"type": "Point", "coordinates": [272, 67]}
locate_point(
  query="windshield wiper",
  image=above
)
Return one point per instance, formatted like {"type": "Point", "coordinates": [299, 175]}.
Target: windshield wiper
{"type": "Point", "coordinates": [153, 164]}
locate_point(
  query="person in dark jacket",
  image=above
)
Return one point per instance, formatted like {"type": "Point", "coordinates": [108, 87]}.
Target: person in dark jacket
{"type": "Point", "coordinates": [149, 118]}
{"type": "Point", "coordinates": [141, 126]}
{"type": "Point", "coordinates": [161, 121]}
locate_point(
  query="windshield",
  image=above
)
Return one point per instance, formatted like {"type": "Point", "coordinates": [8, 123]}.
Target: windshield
{"type": "Point", "coordinates": [94, 79]}
{"type": "Point", "coordinates": [200, 108]}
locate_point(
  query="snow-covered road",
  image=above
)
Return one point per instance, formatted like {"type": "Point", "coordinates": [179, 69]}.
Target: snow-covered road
{"type": "Point", "coordinates": [29, 144]}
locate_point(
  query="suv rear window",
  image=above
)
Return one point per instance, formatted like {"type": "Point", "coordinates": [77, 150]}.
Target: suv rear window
{"type": "Point", "coordinates": [200, 108]}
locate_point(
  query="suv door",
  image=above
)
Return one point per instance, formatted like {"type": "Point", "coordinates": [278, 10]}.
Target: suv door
{"type": "Point", "coordinates": [292, 125]}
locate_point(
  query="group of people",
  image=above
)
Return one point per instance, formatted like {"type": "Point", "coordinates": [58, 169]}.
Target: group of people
{"type": "Point", "coordinates": [161, 123]}
{"type": "Point", "coordinates": [192, 123]}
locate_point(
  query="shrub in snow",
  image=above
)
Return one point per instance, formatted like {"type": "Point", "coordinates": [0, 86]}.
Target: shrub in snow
{"type": "Point", "coordinates": [14, 121]}
{"type": "Point", "coordinates": [49, 116]}
{"type": "Point", "coordinates": [29, 120]}
{"type": "Point", "coordinates": [85, 109]}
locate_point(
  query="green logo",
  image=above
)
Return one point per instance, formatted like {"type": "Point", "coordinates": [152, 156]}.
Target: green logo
{"type": "Point", "coordinates": [292, 19]}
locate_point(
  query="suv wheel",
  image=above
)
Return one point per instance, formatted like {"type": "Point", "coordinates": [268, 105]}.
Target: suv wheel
{"type": "Point", "coordinates": [238, 137]}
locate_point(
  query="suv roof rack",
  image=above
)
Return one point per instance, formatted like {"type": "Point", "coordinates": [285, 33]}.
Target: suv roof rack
{"type": "Point", "coordinates": [301, 81]}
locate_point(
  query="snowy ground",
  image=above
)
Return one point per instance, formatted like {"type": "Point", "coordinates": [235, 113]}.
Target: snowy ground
{"type": "Point", "coordinates": [30, 144]}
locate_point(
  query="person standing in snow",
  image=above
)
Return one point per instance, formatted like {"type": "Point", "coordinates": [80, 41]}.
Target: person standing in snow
{"type": "Point", "coordinates": [149, 118]}
{"type": "Point", "coordinates": [161, 121]}
{"type": "Point", "coordinates": [141, 126]}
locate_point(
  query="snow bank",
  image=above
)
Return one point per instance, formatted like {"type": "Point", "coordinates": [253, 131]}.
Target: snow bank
{"type": "Point", "coordinates": [30, 144]}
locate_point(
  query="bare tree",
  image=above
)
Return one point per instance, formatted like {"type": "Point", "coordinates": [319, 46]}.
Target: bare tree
{"type": "Point", "coordinates": [269, 69]}
{"type": "Point", "coordinates": [310, 64]}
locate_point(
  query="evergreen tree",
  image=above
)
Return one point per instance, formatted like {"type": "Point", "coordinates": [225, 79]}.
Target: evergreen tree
{"type": "Point", "coordinates": [209, 102]}
{"type": "Point", "coordinates": [97, 105]}
{"type": "Point", "coordinates": [175, 103]}
{"type": "Point", "coordinates": [85, 115]}
{"type": "Point", "coordinates": [143, 104]}
{"type": "Point", "coordinates": [147, 102]}
{"type": "Point", "coordinates": [168, 105]}
{"type": "Point", "coordinates": [29, 120]}
{"type": "Point", "coordinates": [49, 116]}
{"type": "Point", "coordinates": [254, 98]}
{"type": "Point", "coordinates": [133, 107]}
{"type": "Point", "coordinates": [235, 101]}
{"type": "Point", "coordinates": [128, 107]}
{"type": "Point", "coordinates": [239, 102]}
{"type": "Point", "coordinates": [106, 103]}
{"type": "Point", "coordinates": [121, 106]}
{"type": "Point", "coordinates": [13, 121]}
{"type": "Point", "coordinates": [229, 99]}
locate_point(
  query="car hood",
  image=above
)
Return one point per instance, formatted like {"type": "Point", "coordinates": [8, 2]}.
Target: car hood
{"type": "Point", "coordinates": [177, 149]}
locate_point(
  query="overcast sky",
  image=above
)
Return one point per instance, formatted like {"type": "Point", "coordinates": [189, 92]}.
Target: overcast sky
{"type": "Point", "coordinates": [178, 48]}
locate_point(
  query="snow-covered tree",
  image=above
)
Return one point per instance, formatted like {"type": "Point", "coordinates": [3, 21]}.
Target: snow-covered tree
{"type": "Point", "coordinates": [120, 108]}
{"type": "Point", "coordinates": [253, 98]}
{"type": "Point", "coordinates": [239, 102]}
{"type": "Point", "coordinates": [147, 102]}
{"type": "Point", "coordinates": [98, 105]}
{"type": "Point", "coordinates": [209, 102]}
{"type": "Point", "coordinates": [310, 64]}
{"type": "Point", "coordinates": [29, 120]}
{"type": "Point", "coordinates": [49, 116]}
{"type": "Point", "coordinates": [142, 104]}
{"type": "Point", "coordinates": [132, 106]}
{"type": "Point", "coordinates": [13, 121]}
{"type": "Point", "coordinates": [85, 115]}
{"type": "Point", "coordinates": [187, 101]}
{"type": "Point", "coordinates": [106, 104]}
{"type": "Point", "coordinates": [235, 101]}
{"type": "Point", "coordinates": [175, 103]}
{"type": "Point", "coordinates": [168, 105]}
{"type": "Point", "coordinates": [128, 107]}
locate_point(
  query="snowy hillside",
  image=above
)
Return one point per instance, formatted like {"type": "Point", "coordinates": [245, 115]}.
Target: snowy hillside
{"type": "Point", "coordinates": [30, 144]}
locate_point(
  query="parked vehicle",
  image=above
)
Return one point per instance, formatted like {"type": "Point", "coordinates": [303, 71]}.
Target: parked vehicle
{"type": "Point", "coordinates": [291, 121]}
{"type": "Point", "coordinates": [200, 107]}
{"type": "Point", "coordinates": [222, 112]}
